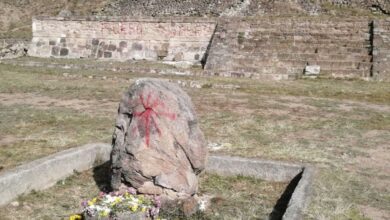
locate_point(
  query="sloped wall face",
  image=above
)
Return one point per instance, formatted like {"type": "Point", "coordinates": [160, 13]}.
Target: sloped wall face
{"type": "Point", "coordinates": [281, 48]}
{"type": "Point", "coordinates": [381, 52]}
{"type": "Point", "coordinates": [122, 38]}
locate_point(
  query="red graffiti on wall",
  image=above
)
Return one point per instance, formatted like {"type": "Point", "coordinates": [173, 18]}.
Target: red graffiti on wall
{"type": "Point", "coordinates": [147, 117]}
{"type": "Point", "coordinates": [137, 29]}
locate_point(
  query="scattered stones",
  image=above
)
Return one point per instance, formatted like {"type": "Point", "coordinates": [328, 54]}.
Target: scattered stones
{"type": "Point", "coordinates": [157, 142]}
{"type": "Point", "coordinates": [12, 49]}
{"type": "Point", "coordinates": [199, 85]}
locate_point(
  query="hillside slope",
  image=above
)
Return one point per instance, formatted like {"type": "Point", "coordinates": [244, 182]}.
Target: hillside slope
{"type": "Point", "coordinates": [245, 7]}
{"type": "Point", "coordinates": [15, 15]}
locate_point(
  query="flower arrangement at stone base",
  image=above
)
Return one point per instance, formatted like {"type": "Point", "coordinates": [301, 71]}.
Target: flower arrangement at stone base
{"type": "Point", "coordinates": [120, 206]}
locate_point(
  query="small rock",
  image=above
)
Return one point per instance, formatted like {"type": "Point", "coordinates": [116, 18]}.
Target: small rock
{"type": "Point", "coordinates": [218, 146]}
{"type": "Point", "coordinates": [65, 13]}
{"type": "Point", "coordinates": [65, 74]}
{"type": "Point", "coordinates": [15, 204]}
{"type": "Point", "coordinates": [90, 77]}
{"type": "Point", "coordinates": [312, 70]}
{"type": "Point", "coordinates": [28, 208]}
{"type": "Point", "coordinates": [190, 206]}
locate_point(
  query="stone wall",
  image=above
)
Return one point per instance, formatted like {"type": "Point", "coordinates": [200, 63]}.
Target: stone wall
{"type": "Point", "coordinates": [12, 48]}
{"type": "Point", "coordinates": [281, 48]}
{"type": "Point", "coordinates": [381, 52]}
{"type": "Point", "coordinates": [261, 48]}
{"type": "Point", "coordinates": [122, 38]}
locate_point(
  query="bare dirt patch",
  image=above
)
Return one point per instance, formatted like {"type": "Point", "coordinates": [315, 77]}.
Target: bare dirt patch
{"type": "Point", "coordinates": [374, 213]}
{"type": "Point", "coordinates": [8, 139]}
{"type": "Point", "coordinates": [44, 102]}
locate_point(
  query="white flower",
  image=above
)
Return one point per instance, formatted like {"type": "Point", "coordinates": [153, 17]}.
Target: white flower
{"type": "Point", "coordinates": [202, 205]}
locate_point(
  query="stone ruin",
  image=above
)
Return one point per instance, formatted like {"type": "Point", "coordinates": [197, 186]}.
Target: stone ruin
{"type": "Point", "coordinates": [158, 147]}
{"type": "Point", "coordinates": [268, 48]}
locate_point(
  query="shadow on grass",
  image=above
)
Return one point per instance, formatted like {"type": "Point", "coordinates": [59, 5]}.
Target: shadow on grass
{"type": "Point", "coordinates": [102, 177]}
{"type": "Point", "coordinates": [282, 203]}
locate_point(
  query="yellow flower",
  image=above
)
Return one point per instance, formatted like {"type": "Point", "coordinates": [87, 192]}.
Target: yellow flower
{"type": "Point", "coordinates": [75, 217]}
{"type": "Point", "coordinates": [143, 209]}
{"type": "Point", "coordinates": [93, 201]}
{"type": "Point", "coordinates": [134, 208]}
{"type": "Point", "coordinates": [104, 213]}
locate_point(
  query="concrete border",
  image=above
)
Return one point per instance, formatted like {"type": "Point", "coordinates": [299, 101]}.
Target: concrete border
{"type": "Point", "coordinates": [270, 171]}
{"type": "Point", "coordinates": [300, 197]}
{"type": "Point", "coordinates": [263, 169]}
{"type": "Point", "coordinates": [45, 172]}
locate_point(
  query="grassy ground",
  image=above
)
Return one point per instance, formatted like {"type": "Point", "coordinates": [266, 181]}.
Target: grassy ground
{"type": "Point", "coordinates": [342, 127]}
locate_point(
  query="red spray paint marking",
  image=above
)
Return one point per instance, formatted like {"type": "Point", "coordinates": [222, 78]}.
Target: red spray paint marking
{"type": "Point", "coordinates": [147, 117]}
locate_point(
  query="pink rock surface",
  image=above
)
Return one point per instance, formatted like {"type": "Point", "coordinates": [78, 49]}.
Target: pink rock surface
{"type": "Point", "coordinates": [157, 144]}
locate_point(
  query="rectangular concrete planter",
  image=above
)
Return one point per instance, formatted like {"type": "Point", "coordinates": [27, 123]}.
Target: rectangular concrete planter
{"type": "Point", "coordinates": [45, 172]}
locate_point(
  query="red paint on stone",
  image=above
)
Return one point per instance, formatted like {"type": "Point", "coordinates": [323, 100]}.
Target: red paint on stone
{"type": "Point", "coordinates": [151, 110]}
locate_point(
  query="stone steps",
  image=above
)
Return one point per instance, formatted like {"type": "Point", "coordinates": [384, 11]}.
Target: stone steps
{"type": "Point", "coordinates": [294, 69]}
{"type": "Point", "coordinates": [257, 56]}
{"type": "Point", "coordinates": [303, 38]}
{"type": "Point", "coordinates": [266, 46]}
{"type": "Point", "coordinates": [297, 24]}
{"type": "Point", "coordinates": [316, 49]}
{"type": "Point", "coordinates": [332, 42]}
{"type": "Point", "coordinates": [298, 34]}
{"type": "Point", "coordinates": [325, 65]}
{"type": "Point", "coordinates": [284, 72]}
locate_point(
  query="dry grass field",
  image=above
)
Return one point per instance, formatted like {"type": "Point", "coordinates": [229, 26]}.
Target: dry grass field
{"type": "Point", "coordinates": [341, 127]}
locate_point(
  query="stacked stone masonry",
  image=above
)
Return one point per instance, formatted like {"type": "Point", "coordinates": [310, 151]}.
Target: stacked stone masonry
{"type": "Point", "coordinates": [122, 38]}
{"type": "Point", "coordinates": [381, 51]}
{"type": "Point", "coordinates": [262, 48]}
{"type": "Point", "coordinates": [280, 48]}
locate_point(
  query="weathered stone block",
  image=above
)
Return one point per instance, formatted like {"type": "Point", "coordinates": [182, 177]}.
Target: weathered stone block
{"type": "Point", "coordinates": [55, 51]}
{"type": "Point", "coordinates": [123, 44]}
{"type": "Point", "coordinates": [107, 54]}
{"type": "Point", "coordinates": [95, 42]}
{"type": "Point", "coordinates": [112, 47]}
{"type": "Point", "coordinates": [64, 52]}
{"type": "Point", "coordinates": [136, 46]}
